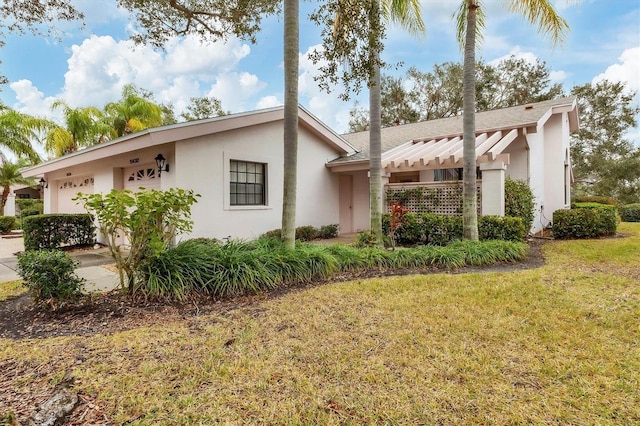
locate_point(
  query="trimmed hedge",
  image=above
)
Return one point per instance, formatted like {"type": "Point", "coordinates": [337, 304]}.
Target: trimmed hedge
{"type": "Point", "coordinates": [307, 233]}
{"type": "Point", "coordinates": [595, 199]}
{"type": "Point", "coordinates": [587, 221]}
{"type": "Point", "coordinates": [7, 223]}
{"type": "Point", "coordinates": [630, 212]}
{"type": "Point", "coordinates": [51, 231]}
{"type": "Point", "coordinates": [440, 230]}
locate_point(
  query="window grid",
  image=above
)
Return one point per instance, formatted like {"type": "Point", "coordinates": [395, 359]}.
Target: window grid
{"type": "Point", "coordinates": [247, 183]}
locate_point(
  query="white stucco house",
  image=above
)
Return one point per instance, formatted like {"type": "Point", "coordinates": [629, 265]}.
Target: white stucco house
{"type": "Point", "coordinates": [235, 163]}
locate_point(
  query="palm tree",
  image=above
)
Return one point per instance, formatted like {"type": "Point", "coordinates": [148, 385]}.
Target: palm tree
{"type": "Point", "coordinates": [407, 14]}
{"type": "Point", "coordinates": [18, 131]}
{"type": "Point", "coordinates": [291, 49]}
{"type": "Point", "coordinates": [470, 20]}
{"type": "Point", "coordinates": [10, 175]}
{"type": "Point", "coordinates": [132, 113]}
{"type": "Point", "coordinates": [84, 127]}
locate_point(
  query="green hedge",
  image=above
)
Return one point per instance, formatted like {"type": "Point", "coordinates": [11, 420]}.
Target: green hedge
{"type": "Point", "coordinates": [440, 230]}
{"type": "Point", "coordinates": [30, 204]}
{"type": "Point", "coordinates": [588, 220]}
{"type": "Point", "coordinates": [519, 201]}
{"type": "Point", "coordinates": [595, 199]}
{"type": "Point", "coordinates": [7, 223]}
{"type": "Point", "coordinates": [307, 232]}
{"type": "Point", "coordinates": [51, 231]}
{"type": "Point", "coordinates": [630, 212]}
{"type": "Point", "coordinates": [50, 276]}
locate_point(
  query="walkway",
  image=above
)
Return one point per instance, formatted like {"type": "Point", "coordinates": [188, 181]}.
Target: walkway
{"type": "Point", "coordinates": [98, 277]}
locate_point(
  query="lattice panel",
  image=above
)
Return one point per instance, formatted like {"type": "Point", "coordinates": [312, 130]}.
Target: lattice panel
{"type": "Point", "coordinates": [430, 197]}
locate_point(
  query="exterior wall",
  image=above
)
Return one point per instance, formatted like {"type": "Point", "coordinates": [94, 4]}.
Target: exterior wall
{"type": "Point", "coordinates": [518, 151]}
{"type": "Point", "coordinates": [556, 138]}
{"type": "Point", "coordinates": [202, 164]}
{"type": "Point", "coordinates": [536, 176]}
{"type": "Point", "coordinates": [361, 218]}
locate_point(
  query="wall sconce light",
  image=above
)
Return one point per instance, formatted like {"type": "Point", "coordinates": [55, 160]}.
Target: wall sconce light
{"type": "Point", "coordinates": [43, 183]}
{"type": "Point", "coordinates": [161, 162]}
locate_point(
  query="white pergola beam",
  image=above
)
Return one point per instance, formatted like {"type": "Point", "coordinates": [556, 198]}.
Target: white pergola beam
{"type": "Point", "coordinates": [502, 144]}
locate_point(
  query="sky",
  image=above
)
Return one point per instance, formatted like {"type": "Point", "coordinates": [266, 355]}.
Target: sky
{"type": "Point", "coordinates": [89, 66]}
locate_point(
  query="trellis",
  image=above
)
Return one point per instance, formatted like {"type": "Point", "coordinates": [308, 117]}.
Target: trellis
{"type": "Point", "coordinates": [430, 197]}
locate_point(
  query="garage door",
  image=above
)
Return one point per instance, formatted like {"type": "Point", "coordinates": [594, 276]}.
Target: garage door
{"type": "Point", "coordinates": [141, 177]}
{"type": "Point", "coordinates": [68, 189]}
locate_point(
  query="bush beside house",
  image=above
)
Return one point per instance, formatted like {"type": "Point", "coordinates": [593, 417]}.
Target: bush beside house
{"type": "Point", "coordinates": [585, 220]}
{"type": "Point", "coordinates": [630, 212]}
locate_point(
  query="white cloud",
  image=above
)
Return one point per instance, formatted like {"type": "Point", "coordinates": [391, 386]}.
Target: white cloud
{"type": "Point", "coordinates": [100, 66]}
{"type": "Point", "coordinates": [558, 76]}
{"type": "Point", "coordinates": [626, 71]}
{"type": "Point", "coordinates": [30, 100]}
{"type": "Point", "coordinates": [326, 106]}
{"type": "Point", "coordinates": [516, 51]}
{"type": "Point", "coordinates": [268, 102]}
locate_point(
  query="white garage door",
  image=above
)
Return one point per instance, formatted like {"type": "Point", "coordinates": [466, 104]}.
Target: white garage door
{"type": "Point", "coordinates": [68, 189]}
{"type": "Point", "coordinates": [141, 177]}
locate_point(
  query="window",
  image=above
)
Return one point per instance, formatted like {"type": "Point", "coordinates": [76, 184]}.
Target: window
{"type": "Point", "coordinates": [247, 183]}
{"type": "Point", "coordinates": [443, 175]}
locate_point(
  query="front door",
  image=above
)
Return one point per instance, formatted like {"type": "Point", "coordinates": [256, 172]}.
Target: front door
{"type": "Point", "coordinates": [346, 204]}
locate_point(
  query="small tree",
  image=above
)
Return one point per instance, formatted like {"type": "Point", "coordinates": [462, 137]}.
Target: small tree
{"type": "Point", "coordinates": [147, 220]}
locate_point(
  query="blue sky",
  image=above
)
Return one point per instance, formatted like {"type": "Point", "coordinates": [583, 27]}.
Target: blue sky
{"type": "Point", "coordinates": [89, 66]}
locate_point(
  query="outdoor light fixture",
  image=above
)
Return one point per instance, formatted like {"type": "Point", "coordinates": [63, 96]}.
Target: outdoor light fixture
{"type": "Point", "coordinates": [42, 183]}
{"type": "Point", "coordinates": [161, 162]}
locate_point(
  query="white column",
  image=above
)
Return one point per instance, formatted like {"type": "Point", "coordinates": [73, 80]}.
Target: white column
{"type": "Point", "coordinates": [10, 206]}
{"type": "Point", "coordinates": [493, 175]}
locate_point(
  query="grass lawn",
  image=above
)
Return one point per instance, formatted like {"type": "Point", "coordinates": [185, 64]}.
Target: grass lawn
{"type": "Point", "coordinates": [555, 345]}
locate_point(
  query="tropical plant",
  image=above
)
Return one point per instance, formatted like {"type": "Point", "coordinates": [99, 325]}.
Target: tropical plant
{"type": "Point", "coordinates": [132, 113]}
{"type": "Point", "coordinates": [146, 220]}
{"type": "Point", "coordinates": [84, 127]}
{"type": "Point", "coordinates": [351, 24]}
{"type": "Point", "coordinates": [10, 175]}
{"type": "Point", "coordinates": [470, 21]}
{"type": "Point", "coordinates": [18, 132]}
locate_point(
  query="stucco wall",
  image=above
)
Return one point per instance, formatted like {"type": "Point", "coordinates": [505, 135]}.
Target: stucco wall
{"type": "Point", "coordinates": [202, 165]}
{"type": "Point", "coordinates": [518, 168]}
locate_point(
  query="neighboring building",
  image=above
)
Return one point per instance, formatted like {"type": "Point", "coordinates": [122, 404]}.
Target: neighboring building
{"type": "Point", "coordinates": [528, 142]}
{"type": "Point", "coordinates": [236, 163]}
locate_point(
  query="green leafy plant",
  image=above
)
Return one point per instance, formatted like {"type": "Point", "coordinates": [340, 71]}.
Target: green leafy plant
{"type": "Point", "coordinates": [519, 201]}
{"type": "Point", "coordinates": [147, 220]}
{"type": "Point", "coordinates": [7, 223]}
{"type": "Point", "coordinates": [396, 220]}
{"type": "Point", "coordinates": [51, 231]}
{"type": "Point", "coordinates": [630, 212]}
{"type": "Point", "coordinates": [306, 233]}
{"type": "Point", "coordinates": [50, 276]}
{"type": "Point", "coordinates": [591, 221]}
{"type": "Point", "coordinates": [595, 199]}
{"type": "Point", "coordinates": [327, 232]}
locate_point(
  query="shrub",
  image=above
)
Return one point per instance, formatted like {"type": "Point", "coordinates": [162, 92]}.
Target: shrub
{"type": "Point", "coordinates": [519, 201]}
{"type": "Point", "coordinates": [589, 222]}
{"type": "Point", "coordinates": [148, 220]}
{"type": "Point", "coordinates": [306, 233]}
{"type": "Point", "coordinates": [501, 228]}
{"type": "Point", "coordinates": [31, 211]}
{"type": "Point", "coordinates": [327, 232]}
{"type": "Point", "coordinates": [595, 199]}
{"type": "Point", "coordinates": [630, 212]}
{"type": "Point", "coordinates": [7, 223]}
{"type": "Point", "coordinates": [51, 231]}
{"type": "Point", "coordinates": [29, 203]}
{"type": "Point", "coordinates": [365, 239]}
{"type": "Point", "coordinates": [440, 230]}
{"type": "Point", "coordinates": [50, 276]}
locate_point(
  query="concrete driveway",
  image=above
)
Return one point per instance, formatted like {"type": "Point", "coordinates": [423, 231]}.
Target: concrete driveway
{"type": "Point", "coordinates": [98, 278]}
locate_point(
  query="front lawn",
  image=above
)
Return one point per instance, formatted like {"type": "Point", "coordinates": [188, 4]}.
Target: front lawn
{"type": "Point", "coordinates": [553, 345]}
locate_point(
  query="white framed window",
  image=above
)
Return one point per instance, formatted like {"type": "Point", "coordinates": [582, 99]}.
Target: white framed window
{"type": "Point", "coordinates": [247, 182]}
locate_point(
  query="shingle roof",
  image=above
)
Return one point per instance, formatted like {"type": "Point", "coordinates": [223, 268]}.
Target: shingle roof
{"type": "Point", "coordinates": [512, 117]}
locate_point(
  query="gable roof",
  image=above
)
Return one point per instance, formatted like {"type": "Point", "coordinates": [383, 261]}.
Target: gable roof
{"type": "Point", "coordinates": [504, 119]}
{"type": "Point", "coordinates": [192, 129]}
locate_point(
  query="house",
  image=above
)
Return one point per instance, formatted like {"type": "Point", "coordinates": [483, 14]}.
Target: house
{"type": "Point", "coordinates": [528, 142]}
{"type": "Point", "coordinates": [236, 163]}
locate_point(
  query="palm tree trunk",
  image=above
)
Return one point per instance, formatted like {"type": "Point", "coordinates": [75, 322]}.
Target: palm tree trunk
{"type": "Point", "coordinates": [375, 157]}
{"type": "Point", "coordinates": [291, 49]}
{"type": "Point", "coordinates": [469, 194]}
{"type": "Point", "coordinates": [5, 196]}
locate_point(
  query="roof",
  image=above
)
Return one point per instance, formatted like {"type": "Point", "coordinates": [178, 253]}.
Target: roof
{"type": "Point", "coordinates": [504, 119]}
{"type": "Point", "coordinates": [188, 130]}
